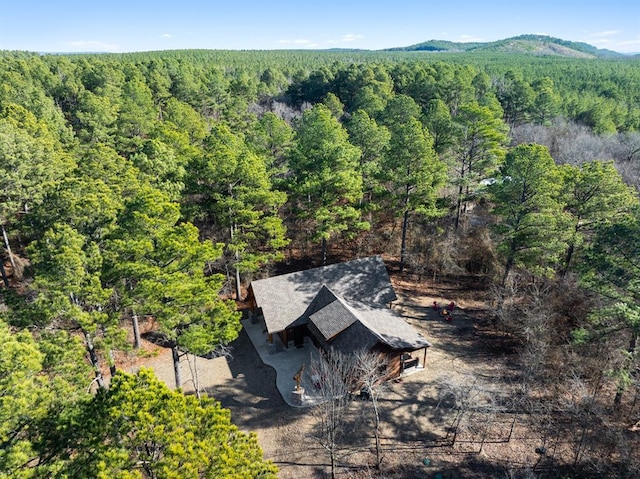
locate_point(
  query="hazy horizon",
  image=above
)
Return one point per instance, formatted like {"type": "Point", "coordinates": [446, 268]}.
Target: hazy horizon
{"type": "Point", "coordinates": [75, 27]}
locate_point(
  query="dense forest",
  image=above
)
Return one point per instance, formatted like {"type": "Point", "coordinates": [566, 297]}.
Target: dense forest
{"type": "Point", "coordinates": [159, 184]}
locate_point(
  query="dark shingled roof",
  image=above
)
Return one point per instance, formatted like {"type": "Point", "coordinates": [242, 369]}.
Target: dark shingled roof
{"type": "Point", "coordinates": [355, 337]}
{"type": "Point", "coordinates": [389, 326]}
{"type": "Point", "coordinates": [285, 298]}
{"type": "Point", "coordinates": [381, 324]}
{"type": "Point", "coordinates": [329, 314]}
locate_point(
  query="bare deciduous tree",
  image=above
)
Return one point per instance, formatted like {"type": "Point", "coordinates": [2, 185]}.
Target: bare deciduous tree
{"type": "Point", "coordinates": [370, 370]}
{"type": "Point", "coordinates": [333, 375]}
{"type": "Point", "coordinates": [336, 376]}
{"type": "Point", "coordinates": [471, 399]}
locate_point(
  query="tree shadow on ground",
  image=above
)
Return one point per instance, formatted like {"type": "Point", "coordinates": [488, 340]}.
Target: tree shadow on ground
{"type": "Point", "coordinates": [461, 338]}
{"type": "Point", "coordinates": [252, 395]}
{"type": "Point", "coordinates": [157, 338]}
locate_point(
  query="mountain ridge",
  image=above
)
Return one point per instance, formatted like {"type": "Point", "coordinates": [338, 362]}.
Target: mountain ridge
{"type": "Point", "coordinates": [540, 45]}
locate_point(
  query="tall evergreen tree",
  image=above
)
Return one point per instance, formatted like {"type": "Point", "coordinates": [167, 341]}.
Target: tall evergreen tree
{"type": "Point", "coordinates": [70, 293]}
{"type": "Point", "coordinates": [516, 97]}
{"type": "Point", "coordinates": [479, 149]}
{"type": "Point", "coordinates": [611, 268]}
{"type": "Point", "coordinates": [594, 194]}
{"type": "Point", "coordinates": [527, 203]}
{"type": "Point", "coordinates": [31, 162]}
{"type": "Point", "coordinates": [42, 379]}
{"type": "Point", "coordinates": [235, 196]}
{"type": "Point", "coordinates": [326, 180]}
{"type": "Point", "coordinates": [139, 428]}
{"type": "Point", "coordinates": [373, 141]}
{"type": "Point", "coordinates": [163, 267]}
{"type": "Point", "coordinates": [411, 172]}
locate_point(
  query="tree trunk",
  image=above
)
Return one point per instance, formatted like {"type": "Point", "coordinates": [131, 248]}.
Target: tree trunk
{"type": "Point", "coordinates": [324, 251]}
{"type": "Point", "coordinates": [237, 271]}
{"type": "Point", "coordinates": [175, 353]}
{"type": "Point", "coordinates": [8, 247]}
{"type": "Point", "coordinates": [403, 246]}
{"type": "Point", "coordinates": [510, 260]}
{"type": "Point", "coordinates": [5, 279]}
{"type": "Point", "coordinates": [465, 202]}
{"type": "Point", "coordinates": [507, 270]}
{"type": "Point", "coordinates": [374, 400]}
{"type": "Point", "coordinates": [237, 281]}
{"type": "Point", "coordinates": [333, 464]}
{"type": "Point", "coordinates": [458, 208]}
{"type": "Point", "coordinates": [112, 361]}
{"type": "Point", "coordinates": [93, 357]}
{"type": "Point", "coordinates": [567, 259]}
{"type": "Point", "coordinates": [196, 379]}
{"type": "Point", "coordinates": [631, 350]}
{"type": "Point", "coordinates": [569, 255]}
{"type": "Point", "coordinates": [136, 330]}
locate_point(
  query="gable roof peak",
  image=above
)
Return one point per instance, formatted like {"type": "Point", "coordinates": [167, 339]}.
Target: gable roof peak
{"type": "Point", "coordinates": [284, 299]}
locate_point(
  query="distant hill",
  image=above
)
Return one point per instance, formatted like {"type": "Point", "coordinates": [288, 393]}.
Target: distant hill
{"type": "Point", "coordinates": [522, 44]}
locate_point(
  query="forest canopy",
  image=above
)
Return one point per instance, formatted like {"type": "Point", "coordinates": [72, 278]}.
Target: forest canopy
{"type": "Point", "coordinates": [158, 185]}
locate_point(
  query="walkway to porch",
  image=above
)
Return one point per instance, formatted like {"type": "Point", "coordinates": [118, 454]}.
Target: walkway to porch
{"type": "Point", "coordinates": [286, 362]}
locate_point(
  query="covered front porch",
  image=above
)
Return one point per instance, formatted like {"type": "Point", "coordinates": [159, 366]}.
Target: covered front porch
{"type": "Point", "coordinates": [410, 362]}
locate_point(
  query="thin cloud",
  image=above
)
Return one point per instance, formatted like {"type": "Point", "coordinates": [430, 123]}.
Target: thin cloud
{"type": "Point", "coordinates": [606, 33]}
{"type": "Point", "coordinates": [602, 41]}
{"type": "Point", "coordinates": [92, 46]}
{"type": "Point", "coordinates": [306, 43]}
{"type": "Point", "coordinates": [469, 38]}
{"type": "Point", "coordinates": [298, 42]}
{"type": "Point", "coordinates": [622, 46]}
{"type": "Point", "coordinates": [167, 35]}
{"type": "Point", "coordinates": [630, 42]}
{"type": "Point", "coordinates": [349, 37]}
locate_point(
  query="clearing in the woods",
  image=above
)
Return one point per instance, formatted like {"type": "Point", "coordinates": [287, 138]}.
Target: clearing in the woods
{"type": "Point", "coordinates": [453, 419]}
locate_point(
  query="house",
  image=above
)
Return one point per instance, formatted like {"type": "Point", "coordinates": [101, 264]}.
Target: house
{"type": "Point", "coordinates": [342, 306]}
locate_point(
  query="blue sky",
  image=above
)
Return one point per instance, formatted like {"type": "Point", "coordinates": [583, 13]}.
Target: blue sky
{"type": "Point", "coordinates": [142, 25]}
